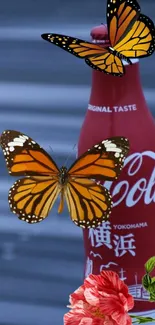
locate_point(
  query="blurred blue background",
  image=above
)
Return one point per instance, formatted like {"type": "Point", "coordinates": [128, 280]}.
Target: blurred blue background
{"type": "Point", "coordinates": [44, 93]}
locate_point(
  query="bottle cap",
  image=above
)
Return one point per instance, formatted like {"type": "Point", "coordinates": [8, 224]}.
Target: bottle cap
{"type": "Point", "coordinates": [99, 35]}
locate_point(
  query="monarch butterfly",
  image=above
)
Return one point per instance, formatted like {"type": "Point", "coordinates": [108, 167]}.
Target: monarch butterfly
{"type": "Point", "coordinates": [32, 197]}
{"type": "Point", "coordinates": [131, 35]}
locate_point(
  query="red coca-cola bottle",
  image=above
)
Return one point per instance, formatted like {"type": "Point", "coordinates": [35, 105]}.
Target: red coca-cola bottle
{"type": "Point", "coordinates": [117, 107]}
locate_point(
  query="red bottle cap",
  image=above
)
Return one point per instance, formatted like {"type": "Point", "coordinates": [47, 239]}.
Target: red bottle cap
{"type": "Point", "coordinates": [99, 35]}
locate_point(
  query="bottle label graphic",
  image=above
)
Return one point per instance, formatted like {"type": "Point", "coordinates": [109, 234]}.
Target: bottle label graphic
{"type": "Point", "coordinates": [116, 245]}
{"type": "Point", "coordinates": [111, 109]}
{"type": "Point", "coordinates": [143, 189]}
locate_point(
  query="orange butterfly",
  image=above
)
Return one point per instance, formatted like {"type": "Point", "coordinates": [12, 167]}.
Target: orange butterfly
{"type": "Point", "coordinates": [32, 197]}
{"type": "Point", "coordinates": [131, 35]}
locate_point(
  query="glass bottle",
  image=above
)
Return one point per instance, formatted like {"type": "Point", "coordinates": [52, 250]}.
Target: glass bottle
{"type": "Point", "coordinates": [117, 107]}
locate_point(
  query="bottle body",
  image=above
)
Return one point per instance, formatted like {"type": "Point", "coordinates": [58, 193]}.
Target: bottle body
{"type": "Point", "coordinates": [123, 244]}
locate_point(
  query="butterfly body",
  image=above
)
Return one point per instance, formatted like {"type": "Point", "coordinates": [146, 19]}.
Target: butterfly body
{"type": "Point", "coordinates": [131, 35]}
{"type": "Point", "coordinates": [33, 196]}
{"type": "Point", "coordinates": [119, 55]}
{"type": "Point", "coordinates": [114, 53]}
{"type": "Point", "coordinates": [63, 176]}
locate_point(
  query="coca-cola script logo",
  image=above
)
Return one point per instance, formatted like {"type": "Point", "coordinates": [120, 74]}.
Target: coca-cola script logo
{"type": "Point", "coordinates": [143, 188]}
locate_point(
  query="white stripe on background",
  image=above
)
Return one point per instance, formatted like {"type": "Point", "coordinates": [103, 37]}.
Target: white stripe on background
{"type": "Point", "coordinates": [31, 314]}
{"type": "Point", "coordinates": [46, 95]}
{"type": "Point", "coordinates": [48, 120]}
{"type": "Point", "coordinates": [34, 33]}
{"type": "Point", "coordinates": [51, 226]}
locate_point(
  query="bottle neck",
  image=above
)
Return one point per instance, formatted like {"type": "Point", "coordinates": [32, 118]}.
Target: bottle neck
{"type": "Point", "coordinates": [108, 91]}
{"type": "Point", "coordinates": [117, 107]}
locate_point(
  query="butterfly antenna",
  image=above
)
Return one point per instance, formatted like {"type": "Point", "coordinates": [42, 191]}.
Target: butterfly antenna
{"type": "Point", "coordinates": [51, 149]}
{"type": "Point", "coordinates": [66, 161]}
{"type": "Point", "coordinates": [52, 152]}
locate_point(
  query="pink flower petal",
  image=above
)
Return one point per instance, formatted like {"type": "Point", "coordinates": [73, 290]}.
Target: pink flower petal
{"type": "Point", "coordinates": [111, 280]}
{"type": "Point", "coordinates": [102, 300]}
{"type": "Point", "coordinates": [86, 321]}
{"type": "Point", "coordinates": [128, 302]}
{"type": "Point", "coordinates": [120, 319]}
{"type": "Point", "coordinates": [109, 321]}
{"type": "Point", "coordinates": [108, 306]}
{"type": "Point", "coordinates": [77, 295]}
{"type": "Point", "coordinates": [72, 319]}
{"type": "Point", "coordinates": [92, 280]}
{"type": "Point", "coordinates": [91, 296]}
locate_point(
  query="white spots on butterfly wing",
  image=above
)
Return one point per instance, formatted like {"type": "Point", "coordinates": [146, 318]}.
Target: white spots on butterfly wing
{"type": "Point", "coordinates": [112, 147]}
{"type": "Point", "coordinates": [17, 142]}
{"type": "Point", "coordinates": [105, 141]}
{"type": "Point", "coordinates": [12, 149]}
{"type": "Point", "coordinates": [117, 155]}
{"type": "Point", "coordinates": [19, 139]}
{"type": "Point", "coordinates": [25, 136]}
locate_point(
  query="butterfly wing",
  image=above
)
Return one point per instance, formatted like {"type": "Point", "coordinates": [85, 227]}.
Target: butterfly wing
{"type": "Point", "coordinates": [89, 204]}
{"type": "Point", "coordinates": [140, 41]}
{"type": "Point", "coordinates": [32, 198]}
{"type": "Point", "coordinates": [121, 16]}
{"type": "Point", "coordinates": [104, 161]}
{"type": "Point", "coordinates": [108, 63]}
{"type": "Point", "coordinates": [24, 156]}
{"type": "Point", "coordinates": [75, 46]}
{"type": "Point", "coordinates": [95, 56]}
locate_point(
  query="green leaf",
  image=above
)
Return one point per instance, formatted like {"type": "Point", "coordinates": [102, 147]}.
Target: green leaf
{"type": "Point", "coordinates": [146, 281]}
{"type": "Point", "coordinates": [151, 290]}
{"type": "Point", "coordinates": [153, 279]}
{"type": "Point", "coordinates": [142, 320]}
{"type": "Point", "coordinates": [152, 299]}
{"type": "Point", "coordinates": [150, 264]}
